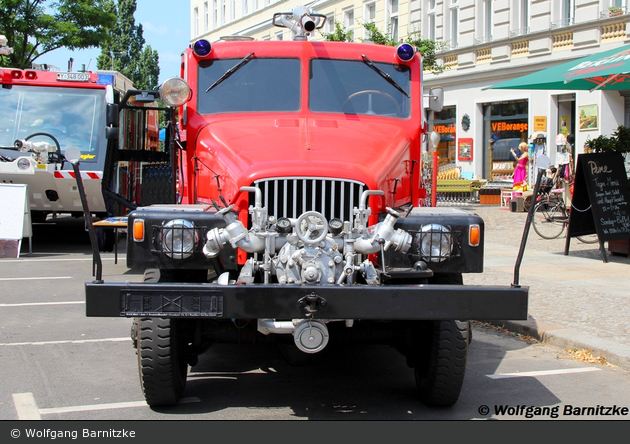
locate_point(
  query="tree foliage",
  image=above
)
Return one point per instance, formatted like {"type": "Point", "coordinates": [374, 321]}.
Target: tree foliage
{"type": "Point", "coordinates": [426, 48]}
{"type": "Point", "coordinates": [340, 34]}
{"type": "Point", "coordinates": [125, 49]}
{"type": "Point", "coordinates": [36, 27]}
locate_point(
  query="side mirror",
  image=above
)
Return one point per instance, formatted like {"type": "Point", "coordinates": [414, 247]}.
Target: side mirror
{"type": "Point", "coordinates": [436, 99]}
{"type": "Point", "coordinates": [111, 133]}
{"type": "Point", "coordinates": [73, 155]}
{"type": "Point", "coordinates": [112, 118]}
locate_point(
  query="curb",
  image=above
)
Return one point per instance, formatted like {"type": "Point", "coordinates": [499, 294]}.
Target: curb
{"type": "Point", "coordinates": [614, 353]}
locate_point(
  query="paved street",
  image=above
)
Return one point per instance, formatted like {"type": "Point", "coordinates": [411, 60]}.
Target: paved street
{"type": "Point", "coordinates": [59, 365]}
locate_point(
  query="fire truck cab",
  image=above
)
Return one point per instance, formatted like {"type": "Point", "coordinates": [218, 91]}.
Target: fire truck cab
{"type": "Point", "coordinates": [42, 114]}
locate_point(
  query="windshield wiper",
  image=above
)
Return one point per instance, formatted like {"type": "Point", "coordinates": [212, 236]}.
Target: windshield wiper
{"type": "Point", "coordinates": [232, 70]}
{"type": "Point", "coordinates": [383, 74]}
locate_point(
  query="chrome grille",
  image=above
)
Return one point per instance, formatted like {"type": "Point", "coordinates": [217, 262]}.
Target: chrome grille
{"type": "Point", "coordinates": [292, 196]}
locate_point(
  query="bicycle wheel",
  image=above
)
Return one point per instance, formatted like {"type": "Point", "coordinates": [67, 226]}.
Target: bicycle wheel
{"type": "Point", "coordinates": [549, 220]}
{"type": "Point", "coordinates": [589, 238]}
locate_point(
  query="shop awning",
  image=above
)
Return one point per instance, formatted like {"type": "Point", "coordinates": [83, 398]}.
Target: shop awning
{"type": "Point", "coordinates": [608, 70]}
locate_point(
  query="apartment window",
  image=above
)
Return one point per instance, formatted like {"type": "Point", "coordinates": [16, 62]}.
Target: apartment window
{"type": "Point", "coordinates": [348, 21]}
{"type": "Point", "coordinates": [392, 13]}
{"type": "Point", "coordinates": [279, 35]}
{"type": "Point", "coordinates": [232, 10]}
{"type": "Point", "coordinates": [524, 13]}
{"type": "Point", "coordinates": [486, 23]}
{"type": "Point", "coordinates": [223, 12]}
{"type": "Point", "coordinates": [454, 24]}
{"type": "Point", "coordinates": [205, 16]}
{"type": "Point", "coordinates": [195, 22]}
{"type": "Point", "coordinates": [215, 14]}
{"type": "Point", "coordinates": [568, 12]}
{"type": "Point", "coordinates": [329, 26]}
{"type": "Point", "coordinates": [370, 12]}
{"type": "Point", "coordinates": [430, 22]}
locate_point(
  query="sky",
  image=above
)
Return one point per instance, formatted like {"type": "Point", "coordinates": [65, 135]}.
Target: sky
{"type": "Point", "coordinates": [166, 28]}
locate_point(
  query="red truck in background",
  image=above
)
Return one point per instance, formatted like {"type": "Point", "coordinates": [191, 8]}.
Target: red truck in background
{"type": "Point", "coordinates": [300, 223]}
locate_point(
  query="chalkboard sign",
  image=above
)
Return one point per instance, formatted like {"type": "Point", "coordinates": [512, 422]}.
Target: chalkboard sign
{"type": "Point", "coordinates": [601, 197]}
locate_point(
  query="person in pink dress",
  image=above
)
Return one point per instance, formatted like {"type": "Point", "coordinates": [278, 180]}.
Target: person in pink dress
{"type": "Point", "coordinates": [520, 172]}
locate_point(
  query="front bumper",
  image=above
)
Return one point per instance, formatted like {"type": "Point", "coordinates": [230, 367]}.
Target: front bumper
{"type": "Point", "coordinates": [213, 301]}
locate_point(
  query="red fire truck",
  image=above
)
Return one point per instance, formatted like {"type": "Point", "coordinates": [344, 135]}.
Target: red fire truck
{"type": "Point", "coordinates": [300, 221]}
{"type": "Point", "coordinates": [42, 113]}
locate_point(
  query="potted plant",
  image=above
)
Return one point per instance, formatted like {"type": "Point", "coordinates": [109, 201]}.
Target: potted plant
{"type": "Point", "coordinates": [614, 11]}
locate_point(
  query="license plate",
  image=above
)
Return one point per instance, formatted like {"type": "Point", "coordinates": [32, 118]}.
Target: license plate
{"type": "Point", "coordinates": [74, 76]}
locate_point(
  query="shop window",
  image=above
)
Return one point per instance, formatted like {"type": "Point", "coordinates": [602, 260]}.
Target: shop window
{"type": "Point", "coordinates": [444, 123]}
{"type": "Point", "coordinates": [505, 127]}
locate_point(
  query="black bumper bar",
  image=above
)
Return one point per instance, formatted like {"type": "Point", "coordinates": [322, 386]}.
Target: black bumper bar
{"type": "Point", "coordinates": [212, 301]}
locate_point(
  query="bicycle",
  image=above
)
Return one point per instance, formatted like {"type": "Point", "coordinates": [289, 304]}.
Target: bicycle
{"type": "Point", "coordinates": [551, 217]}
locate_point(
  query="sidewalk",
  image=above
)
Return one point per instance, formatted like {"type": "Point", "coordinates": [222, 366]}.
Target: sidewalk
{"type": "Point", "coordinates": [575, 301]}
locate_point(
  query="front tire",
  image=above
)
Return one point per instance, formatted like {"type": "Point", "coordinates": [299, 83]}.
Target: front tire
{"type": "Point", "coordinates": [161, 361]}
{"type": "Point", "coordinates": [161, 348]}
{"type": "Point", "coordinates": [440, 375]}
{"type": "Point", "coordinates": [441, 352]}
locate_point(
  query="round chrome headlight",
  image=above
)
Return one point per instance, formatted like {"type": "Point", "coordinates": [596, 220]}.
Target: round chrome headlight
{"type": "Point", "coordinates": [23, 163]}
{"type": "Point", "coordinates": [435, 242]}
{"type": "Point", "coordinates": [174, 92]}
{"type": "Point", "coordinates": [179, 238]}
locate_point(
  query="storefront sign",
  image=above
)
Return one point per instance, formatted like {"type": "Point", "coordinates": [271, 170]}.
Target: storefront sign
{"type": "Point", "coordinates": [465, 149]}
{"type": "Point", "coordinates": [505, 126]}
{"type": "Point", "coordinates": [540, 123]}
{"type": "Point", "coordinates": [442, 129]}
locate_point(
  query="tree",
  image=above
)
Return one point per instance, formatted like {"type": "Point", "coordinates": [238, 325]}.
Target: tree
{"type": "Point", "coordinates": [36, 27]}
{"type": "Point", "coordinates": [340, 34]}
{"type": "Point", "coordinates": [426, 47]}
{"type": "Point", "coordinates": [125, 49]}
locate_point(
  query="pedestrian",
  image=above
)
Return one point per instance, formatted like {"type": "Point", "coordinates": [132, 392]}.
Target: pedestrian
{"type": "Point", "coordinates": [520, 172]}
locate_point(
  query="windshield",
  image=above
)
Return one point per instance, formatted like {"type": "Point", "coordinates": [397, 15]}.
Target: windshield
{"type": "Point", "coordinates": [352, 87]}
{"type": "Point", "coordinates": [73, 116]}
{"type": "Point", "coordinates": [258, 85]}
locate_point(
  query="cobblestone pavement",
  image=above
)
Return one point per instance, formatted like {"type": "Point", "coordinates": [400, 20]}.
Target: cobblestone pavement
{"type": "Point", "coordinates": [576, 296]}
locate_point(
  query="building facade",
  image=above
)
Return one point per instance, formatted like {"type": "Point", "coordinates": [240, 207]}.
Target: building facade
{"type": "Point", "coordinates": [485, 42]}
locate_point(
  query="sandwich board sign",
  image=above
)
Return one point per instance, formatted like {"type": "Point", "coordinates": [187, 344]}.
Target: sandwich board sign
{"type": "Point", "coordinates": [15, 219]}
{"type": "Point", "coordinates": [601, 199]}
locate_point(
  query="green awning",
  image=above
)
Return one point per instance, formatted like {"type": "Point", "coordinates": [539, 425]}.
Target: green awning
{"type": "Point", "coordinates": [608, 70]}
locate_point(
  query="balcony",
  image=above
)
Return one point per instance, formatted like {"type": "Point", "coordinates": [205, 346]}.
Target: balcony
{"type": "Point", "coordinates": [483, 39]}
{"type": "Point", "coordinates": [518, 32]}
{"type": "Point", "coordinates": [563, 23]}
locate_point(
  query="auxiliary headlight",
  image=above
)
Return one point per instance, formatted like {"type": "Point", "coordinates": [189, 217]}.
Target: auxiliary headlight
{"type": "Point", "coordinates": [434, 242]}
{"type": "Point", "coordinates": [23, 163]}
{"type": "Point", "coordinates": [179, 238]}
{"type": "Point", "coordinates": [175, 92]}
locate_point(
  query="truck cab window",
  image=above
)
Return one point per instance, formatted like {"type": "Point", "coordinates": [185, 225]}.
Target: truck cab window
{"type": "Point", "coordinates": [260, 85]}
{"type": "Point", "coordinates": [351, 87]}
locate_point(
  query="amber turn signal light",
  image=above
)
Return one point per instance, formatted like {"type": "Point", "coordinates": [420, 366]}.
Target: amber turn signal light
{"type": "Point", "coordinates": [138, 230]}
{"type": "Point", "coordinates": [474, 235]}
